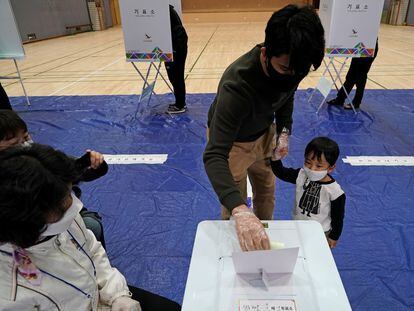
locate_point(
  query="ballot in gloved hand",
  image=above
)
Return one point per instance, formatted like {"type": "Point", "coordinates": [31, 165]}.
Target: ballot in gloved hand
{"type": "Point", "coordinates": [250, 231]}
{"type": "Point", "coordinates": [276, 245]}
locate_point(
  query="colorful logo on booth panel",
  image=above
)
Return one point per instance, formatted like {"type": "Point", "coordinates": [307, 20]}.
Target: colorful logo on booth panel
{"type": "Point", "coordinates": [358, 49]}
{"type": "Point", "coordinates": [156, 55]}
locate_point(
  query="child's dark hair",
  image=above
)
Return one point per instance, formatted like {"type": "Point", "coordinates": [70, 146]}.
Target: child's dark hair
{"type": "Point", "coordinates": [10, 124]}
{"type": "Point", "coordinates": [323, 146]}
{"type": "Point", "coordinates": [299, 33]}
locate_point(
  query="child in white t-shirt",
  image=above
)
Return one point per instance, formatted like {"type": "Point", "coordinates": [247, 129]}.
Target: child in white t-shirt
{"type": "Point", "coordinates": [318, 196]}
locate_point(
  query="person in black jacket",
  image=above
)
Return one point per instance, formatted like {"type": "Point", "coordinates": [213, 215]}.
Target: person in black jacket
{"type": "Point", "coordinates": [175, 69]}
{"type": "Point", "coordinates": [357, 75]}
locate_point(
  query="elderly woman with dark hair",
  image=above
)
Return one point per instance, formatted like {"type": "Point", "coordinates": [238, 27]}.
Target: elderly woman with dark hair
{"type": "Point", "coordinates": [48, 259]}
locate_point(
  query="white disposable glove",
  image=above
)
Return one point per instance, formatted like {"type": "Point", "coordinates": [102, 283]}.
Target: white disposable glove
{"type": "Point", "coordinates": [250, 231]}
{"type": "Point", "coordinates": [125, 303]}
{"type": "Point", "coordinates": [282, 145]}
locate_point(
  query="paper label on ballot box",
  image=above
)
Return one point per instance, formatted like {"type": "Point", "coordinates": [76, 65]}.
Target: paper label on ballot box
{"type": "Point", "coordinates": [267, 305]}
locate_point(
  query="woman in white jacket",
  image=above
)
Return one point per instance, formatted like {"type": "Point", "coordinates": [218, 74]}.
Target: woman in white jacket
{"type": "Point", "coordinates": [48, 259]}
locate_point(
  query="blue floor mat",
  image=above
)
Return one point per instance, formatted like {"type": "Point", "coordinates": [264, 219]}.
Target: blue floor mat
{"type": "Point", "coordinates": [150, 212]}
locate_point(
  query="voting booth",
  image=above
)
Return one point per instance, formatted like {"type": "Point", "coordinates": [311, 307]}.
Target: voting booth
{"type": "Point", "coordinates": [11, 47]}
{"type": "Point", "coordinates": [147, 36]}
{"type": "Point", "coordinates": [351, 30]}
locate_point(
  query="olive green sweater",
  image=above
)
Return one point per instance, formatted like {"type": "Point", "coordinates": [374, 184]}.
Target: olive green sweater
{"type": "Point", "coordinates": [246, 104]}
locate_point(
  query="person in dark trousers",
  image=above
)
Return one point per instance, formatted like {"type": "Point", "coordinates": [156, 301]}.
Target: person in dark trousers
{"type": "Point", "coordinates": [255, 92]}
{"type": "Point", "coordinates": [357, 75]}
{"type": "Point", "coordinates": [4, 99]}
{"type": "Point", "coordinates": [175, 69]}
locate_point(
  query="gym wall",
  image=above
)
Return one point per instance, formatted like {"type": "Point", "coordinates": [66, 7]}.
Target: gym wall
{"type": "Point", "coordinates": [49, 18]}
{"type": "Point", "coordinates": [237, 5]}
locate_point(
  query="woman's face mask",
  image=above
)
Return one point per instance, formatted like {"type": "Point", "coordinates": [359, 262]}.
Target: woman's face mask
{"type": "Point", "coordinates": [21, 138]}
{"type": "Point", "coordinates": [27, 143]}
{"type": "Point", "coordinates": [64, 223]}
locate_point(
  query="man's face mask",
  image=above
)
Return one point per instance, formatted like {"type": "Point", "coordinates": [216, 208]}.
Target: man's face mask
{"type": "Point", "coordinates": [282, 82]}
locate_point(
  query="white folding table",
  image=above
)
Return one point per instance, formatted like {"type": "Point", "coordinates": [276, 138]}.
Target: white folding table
{"type": "Point", "coordinates": [213, 285]}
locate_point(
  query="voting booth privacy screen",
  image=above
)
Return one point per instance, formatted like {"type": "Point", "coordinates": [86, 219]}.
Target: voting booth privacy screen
{"type": "Point", "coordinates": [147, 30]}
{"type": "Point", "coordinates": [10, 41]}
{"type": "Point", "coordinates": [351, 26]}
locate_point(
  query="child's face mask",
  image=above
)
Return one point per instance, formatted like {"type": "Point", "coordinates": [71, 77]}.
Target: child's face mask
{"type": "Point", "coordinates": [316, 169]}
{"type": "Point", "coordinates": [315, 175]}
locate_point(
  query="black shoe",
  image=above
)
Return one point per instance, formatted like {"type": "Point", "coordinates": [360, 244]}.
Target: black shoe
{"type": "Point", "coordinates": [173, 109]}
{"type": "Point", "coordinates": [335, 102]}
{"type": "Point", "coordinates": [173, 105]}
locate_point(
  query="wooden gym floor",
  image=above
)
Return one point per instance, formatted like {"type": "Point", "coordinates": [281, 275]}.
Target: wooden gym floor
{"type": "Point", "coordinates": [93, 63]}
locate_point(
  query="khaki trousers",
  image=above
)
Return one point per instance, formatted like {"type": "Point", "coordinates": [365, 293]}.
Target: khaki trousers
{"type": "Point", "coordinates": [252, 159]}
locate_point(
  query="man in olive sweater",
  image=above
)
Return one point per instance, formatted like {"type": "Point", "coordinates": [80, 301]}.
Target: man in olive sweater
{"type": "Point", "coordinates": [254, 102]}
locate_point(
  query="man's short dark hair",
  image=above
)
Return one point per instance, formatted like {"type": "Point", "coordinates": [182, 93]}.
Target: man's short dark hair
{"type": "Point", "coordinates": [325, 146]}
{"type": "Point", "coordinates": [34, 182]}
{"type": "Point", "coordinates": [10, 124]}
{"type": "Point", "coordinates": [299, 33]}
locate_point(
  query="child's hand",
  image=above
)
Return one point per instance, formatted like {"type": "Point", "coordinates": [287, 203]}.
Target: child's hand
{"type": "Point", "coordinates": [332, 243]}
{"type": "Point", "coordinates": [96, 158]}
{"type": "Point", "coordinates": [279, 153]}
